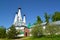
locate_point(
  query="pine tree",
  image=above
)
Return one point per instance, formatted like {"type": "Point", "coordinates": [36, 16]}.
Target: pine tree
{"type": "Point", "coordinates": [12, 32]}
{"type": "Point", "coordinates": [47, 17]}
{"type": "Point", "coordinates": [39, 20]}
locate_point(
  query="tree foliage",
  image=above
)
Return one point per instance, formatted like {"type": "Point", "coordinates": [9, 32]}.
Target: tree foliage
{"type": "Point", "coordinates": [39, 20]}
{"type": "Point", "coordinates": [47, 17]}
{"type": "Point", "coordinates": [52, 29]}
{"type": "Point", "coordinates": [2, 32]}
{"type": "Point", "coordinates": [56, 16]}
{"type": "Point", "coordinates": [37, 31]}
{"type": "Point", "coordinates": [11, 32]}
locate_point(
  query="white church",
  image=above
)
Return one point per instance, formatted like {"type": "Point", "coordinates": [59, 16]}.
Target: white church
{"type": "Point", "coordinates": [20, 24]}
{"type": "Point", "coordinates": [18, 21]}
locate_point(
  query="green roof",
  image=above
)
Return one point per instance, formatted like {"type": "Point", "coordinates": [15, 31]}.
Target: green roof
{"type": "Point", "coordinates": [29, 25]}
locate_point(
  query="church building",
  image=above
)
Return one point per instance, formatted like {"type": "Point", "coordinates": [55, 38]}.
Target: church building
{"type": "Point", "coordinates": [20, 24]}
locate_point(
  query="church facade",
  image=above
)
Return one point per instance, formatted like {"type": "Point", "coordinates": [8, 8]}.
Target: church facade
{"type": "Point", "coordinates": [20, 24]}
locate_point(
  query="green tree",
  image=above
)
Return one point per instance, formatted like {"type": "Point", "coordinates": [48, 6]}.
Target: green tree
{"type": "Point", "coordinates": [56, 16]}
{"type": "Point", "coordinates": [37, 31]}
{"type": "Point", "coordinates": [52, 30]}
{"type": "Point", "coordinates": [37, 28]}
{"type": "Point", "coordinates": [47, 17]}
{"type": "Point", "coordinates": [2, 32]}
{"type": "Point", "coordinates": [39, 20]}
{"type": "Point", "coordinates": [11, 32]}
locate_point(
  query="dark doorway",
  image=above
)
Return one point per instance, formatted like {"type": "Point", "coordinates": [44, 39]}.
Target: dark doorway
{"type": "Point", "coordinates": [26, 34]}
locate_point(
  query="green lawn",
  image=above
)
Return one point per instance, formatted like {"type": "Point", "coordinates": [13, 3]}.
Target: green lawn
{"type": "Point", "coordinates": [5, 39]}
{"type": "Point", "coordinates": [42, 38]}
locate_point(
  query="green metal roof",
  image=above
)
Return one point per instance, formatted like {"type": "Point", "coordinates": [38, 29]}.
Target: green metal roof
{"type": "Point", "coordinates": [29, 25]}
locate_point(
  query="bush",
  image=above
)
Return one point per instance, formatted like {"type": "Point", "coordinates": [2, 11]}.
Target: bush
{"type": "Point", "coordinates": [37, 31]}
{"type": "Point", "coordinates": [12, 32]}
{"type": "Point", "coordinates": [2, 32]}
{"type": "Point", "coordinates": [52, 30]}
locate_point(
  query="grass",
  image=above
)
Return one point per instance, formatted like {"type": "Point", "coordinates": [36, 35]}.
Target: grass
{"type": "Point", "coordinates": [42, 38]}
{"type": "Point", "coordinates": [11, 39]}
{"type": "Point", "coordinates": [5, 39]}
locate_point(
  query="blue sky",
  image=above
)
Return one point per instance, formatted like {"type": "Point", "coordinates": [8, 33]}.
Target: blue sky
{"type": "Point", "coordinates": [31, 8]}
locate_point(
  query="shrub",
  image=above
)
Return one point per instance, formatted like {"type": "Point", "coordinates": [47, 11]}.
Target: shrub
{"type": "Point", "coordinates": [2, 32]}
{"type": "Point", "coordinates": [52, 30]}
{"type": "Point", "coordinates": [12, 32]}
{"type": "Point", "coordinates": [37, 31]}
